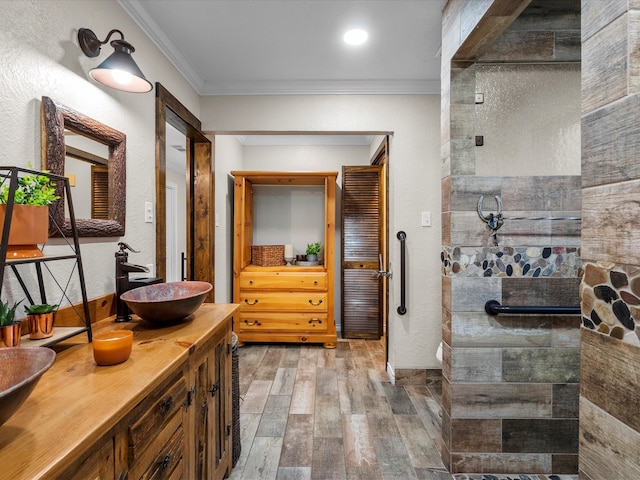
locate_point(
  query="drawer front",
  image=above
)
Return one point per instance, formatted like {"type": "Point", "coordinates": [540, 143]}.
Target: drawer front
{"type": "Point", "coordinates": [281, 322]}
{"type": "Point", "coordinates": [164, 454]}
{"type": "Point", "coordinates": [156, 410]}
{"type": "Point", "coordinates": [280, 301]}
{"type": "Point", "coordinates": [283, 281]}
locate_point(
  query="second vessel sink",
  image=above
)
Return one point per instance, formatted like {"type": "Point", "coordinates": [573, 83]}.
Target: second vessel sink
{"type": "Point", "coordinates": [167, 302]}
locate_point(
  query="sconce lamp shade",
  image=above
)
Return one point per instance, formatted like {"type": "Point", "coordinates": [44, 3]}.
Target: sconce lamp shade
{"type": "Point", "coordinates": [119, 70]}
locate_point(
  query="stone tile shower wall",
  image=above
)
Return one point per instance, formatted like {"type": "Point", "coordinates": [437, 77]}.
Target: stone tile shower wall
{"type": "Point", "coordinates": [510, 382]}
{"type": "Point", "coordinates": [610, 349]}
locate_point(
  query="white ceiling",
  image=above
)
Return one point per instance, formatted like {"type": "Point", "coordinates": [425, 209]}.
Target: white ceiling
{"type": "Point", "coordinates": [250, 47]}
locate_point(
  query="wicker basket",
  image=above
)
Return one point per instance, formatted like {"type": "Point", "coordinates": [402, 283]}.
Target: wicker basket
{"type": "Point", "coordinates": [236, 446]}
{"type": "Point", "coordinates": [267, 255]}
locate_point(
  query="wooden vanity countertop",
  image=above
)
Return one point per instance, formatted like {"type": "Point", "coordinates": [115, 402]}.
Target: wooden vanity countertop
{"type": "Point", "coordinates": [77, 402]}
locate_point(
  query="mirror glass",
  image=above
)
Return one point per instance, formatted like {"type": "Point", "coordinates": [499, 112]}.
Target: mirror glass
{"type": "Point", "coordinates": [92, 156]}
{"type": "Point", "coordinates": [86, 165]}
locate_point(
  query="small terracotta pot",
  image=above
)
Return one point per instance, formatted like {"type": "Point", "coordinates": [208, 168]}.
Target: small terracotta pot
{"type": "Point", "coordinates": [29, 227]}
{"type": "Point", "coordinates": [40, 325]}
{"type": "Point", "coordinates": [10, 335]}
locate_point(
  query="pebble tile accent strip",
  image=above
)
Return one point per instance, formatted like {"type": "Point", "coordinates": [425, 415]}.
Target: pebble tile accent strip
{"type": "Point", "coordinates": [511, 261]}
{"type": "Point", "coordinates": [610, 300]}
{"type": "Point", "coordinates": [486, 476]}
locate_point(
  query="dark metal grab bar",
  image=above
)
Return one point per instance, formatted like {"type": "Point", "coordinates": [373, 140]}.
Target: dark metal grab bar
{"type": "Point", "coordinates": [493, 307]}
{"type": "Point", "coordinates": [402, 309]}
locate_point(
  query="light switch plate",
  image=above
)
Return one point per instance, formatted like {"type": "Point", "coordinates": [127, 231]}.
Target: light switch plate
{"type": "Point", "coordinates": [148, 212]}
{"type": "Point", "coordinates": [426, 219]}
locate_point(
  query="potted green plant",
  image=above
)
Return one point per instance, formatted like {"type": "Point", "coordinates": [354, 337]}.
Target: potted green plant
{"type": "Point", "coordinates": [40, 318]}
{"type": "Point", "coordinates": [10, 329]}
{"type": "Point", "coordinates": [30, 217]}
{"type": "Point", "coordinates": [313, 250]}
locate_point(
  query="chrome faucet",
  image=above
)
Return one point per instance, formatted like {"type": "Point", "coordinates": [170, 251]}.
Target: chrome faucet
{"type": "Point", "coordinates": [123, 268]}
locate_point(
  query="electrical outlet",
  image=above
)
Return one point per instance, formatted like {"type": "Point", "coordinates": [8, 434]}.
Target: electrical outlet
{"type": "Point", "coordinates": [426, 219]}
{"type": "Point", "coordinates": [148, 212]}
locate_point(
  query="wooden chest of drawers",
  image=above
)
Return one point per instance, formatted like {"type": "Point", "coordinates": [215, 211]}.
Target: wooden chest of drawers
{"type": "Point", "coordinates": [285, 306]}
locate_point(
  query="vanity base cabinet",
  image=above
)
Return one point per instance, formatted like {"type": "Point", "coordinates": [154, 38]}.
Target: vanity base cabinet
{"type": "Point", "coordinates": [164, 414]}
{"type": "Point", "coordinates": [283, 303]}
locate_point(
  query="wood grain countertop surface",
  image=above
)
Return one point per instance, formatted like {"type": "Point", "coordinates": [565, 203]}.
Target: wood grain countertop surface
{"type": "Point", "coordinates": [77, 402]}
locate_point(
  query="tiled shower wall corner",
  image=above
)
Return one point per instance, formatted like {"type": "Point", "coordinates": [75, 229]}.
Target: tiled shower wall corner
{"type": "Point", "coordinates": [609, 350]}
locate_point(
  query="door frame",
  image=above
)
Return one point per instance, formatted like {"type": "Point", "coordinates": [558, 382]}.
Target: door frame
{"type": "Point", "coordinates": [381, 157]}
{"type": "Point", "coordinates": [200, 190]}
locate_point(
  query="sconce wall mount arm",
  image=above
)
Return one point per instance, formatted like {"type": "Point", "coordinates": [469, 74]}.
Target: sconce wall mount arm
{"type": "Point", "coordinates": [119, 70]}
{"type": "Point", "coordinates": [90, 44]}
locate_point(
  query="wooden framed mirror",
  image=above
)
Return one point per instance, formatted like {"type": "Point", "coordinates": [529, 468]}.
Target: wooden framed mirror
{"type": "Point", "coordinates": [58, 121]}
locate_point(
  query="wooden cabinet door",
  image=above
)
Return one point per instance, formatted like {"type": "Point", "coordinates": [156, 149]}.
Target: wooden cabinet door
{"type": "Point", "coordinates": [221, 434]}
{"type": "Point", "coordinates": [210, 416]}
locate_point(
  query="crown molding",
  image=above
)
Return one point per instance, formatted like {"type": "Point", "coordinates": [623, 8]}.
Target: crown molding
{"type": "Point", "coordinates": [326, 87]}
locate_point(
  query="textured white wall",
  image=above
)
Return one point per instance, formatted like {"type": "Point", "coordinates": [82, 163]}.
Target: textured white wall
{"type": "Point", "coordinates": [41, 57]}
{"type": "Point", "coordinates": [414, 187]}
{"type": "Point", "coordinates": [228, 157]}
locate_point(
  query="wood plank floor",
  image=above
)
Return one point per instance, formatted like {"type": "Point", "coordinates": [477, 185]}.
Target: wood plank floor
{"type": "Point", "coordinates": [310, 413]}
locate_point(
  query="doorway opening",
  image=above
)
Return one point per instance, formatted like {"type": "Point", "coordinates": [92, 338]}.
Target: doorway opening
{"type": "Point", "coordinates": [284, 151]}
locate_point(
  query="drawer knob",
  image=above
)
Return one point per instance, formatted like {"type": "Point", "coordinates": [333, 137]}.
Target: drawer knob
{"type": "Point", "coordinates": [315, 320]}
{"type": "Point", "coordinates": [166, 404]}
{"type": "Point", "coordinates": [246, 300]}
{"type": "Point", "coordinates": [255, 323]}
{"type": "Point", "coordinates": [315, 304]}
{"type": "Point", "coordinates": [315, 282]}
{"type": "Point", "coordinates": [166, 461]}
{"type": "Point", "coordinates": [250, 282]}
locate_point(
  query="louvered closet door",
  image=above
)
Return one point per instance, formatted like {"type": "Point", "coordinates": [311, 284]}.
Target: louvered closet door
{"type": "Point", "coordinates": [100, 192]}
{"type": "Point", "coordinates": [361, 246]}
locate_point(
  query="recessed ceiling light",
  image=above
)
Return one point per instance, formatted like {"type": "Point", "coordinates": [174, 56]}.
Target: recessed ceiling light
{"type": "Point", "coordinates": [356, 36]}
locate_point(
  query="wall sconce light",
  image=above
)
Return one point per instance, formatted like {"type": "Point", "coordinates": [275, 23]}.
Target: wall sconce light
{"type": "Point", "coordinates": [118, 71]}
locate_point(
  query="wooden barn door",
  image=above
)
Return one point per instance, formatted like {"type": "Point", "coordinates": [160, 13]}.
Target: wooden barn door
{"type": "Point", "coordinates": [363, 251]}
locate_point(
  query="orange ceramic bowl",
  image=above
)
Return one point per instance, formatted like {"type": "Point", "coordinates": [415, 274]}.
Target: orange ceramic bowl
{"type": "Point", "coordinates": [110, 348]}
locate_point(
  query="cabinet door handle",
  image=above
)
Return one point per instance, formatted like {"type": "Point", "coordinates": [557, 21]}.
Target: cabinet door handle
{"type": "Point", "coordinates": [246, 300]}
{"type": "Point", "coordinates": [166, 404]}
{"type": "Point", "coordinates": [315, 320]}
{"type": "Point", "coordinates": [164, 464]}
{"type": "Point", "coordinates": [315, 304]}
{"type": "Point", "coordinates": [191, 394]}
{"type": "Point", "coordinates": [214, 389]}
{"type": "Point", "coordinates": [255, 323]}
